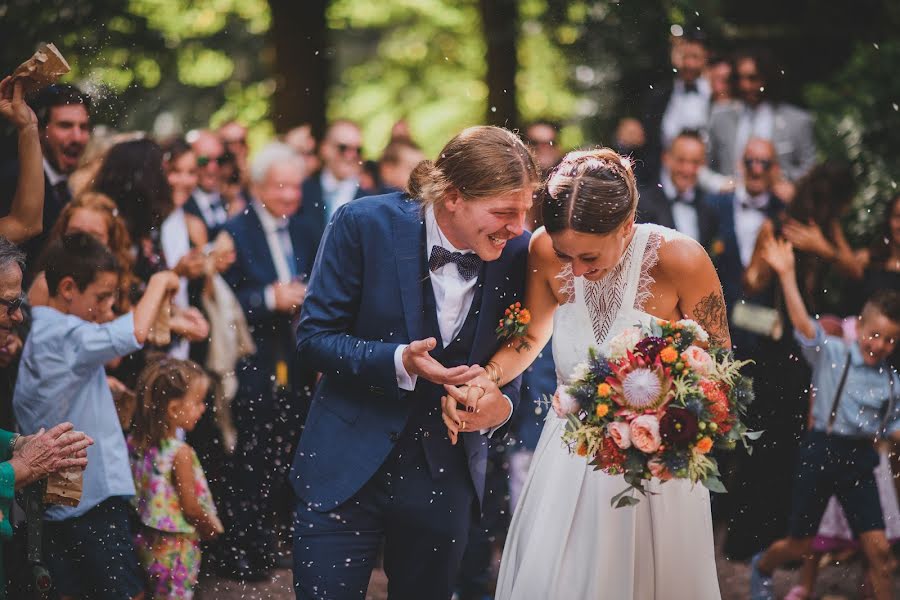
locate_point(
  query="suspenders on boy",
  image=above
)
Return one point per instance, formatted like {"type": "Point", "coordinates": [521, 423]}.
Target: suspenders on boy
{"type": "Point", "coordinates": [840, 389]}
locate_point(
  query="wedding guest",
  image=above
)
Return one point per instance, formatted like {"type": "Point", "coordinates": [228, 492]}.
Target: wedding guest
{"type": "Point", "coordinates": [95, 214]}
{"type": "Point", "coordinates": [718, 73]}
{"type": "Point", "coordinates": [854, 403]}
{"type": "Point", "coordinates": [183, 239]}
{"type": "Point", "coordinates": [680, 103]}
{"type": "Point", "coordinates": [25, 218]}
{"type": "Point", "coordinates": [29, 458]}
{"type": "Point", "coordinates": [88, 548]}
{"type": "Point", "coordinates": [813, 226]}
{"type": "Point", "coordinates": [173, 500]}
{"type": "Point", "coordinates": [63, 117]}
{"type": "Point", "coordinates": [630, 139]}
{"type": "Point", "coordinates": [275, 252]}
{"type": "Point", "coordinates": [303, 142]}
{"type": "Point", "coordinates": [761, 113]}
{"type": "Point", "coordinates": [542, 138]}
{"type": "Point", "coordinates": [760, 482]}
{"type": "Point", "coordinates": [742, 213]}
{"type": "Point", "coordinates": [677, 201]}
{"type": "Point", "coordinates": [338, 181]}
{"type": "Point", "coordinates": [134, 176]}
{"type": "Point", "coordinates": [234, 138]}
{"type": "Point", "coordinates": [879, 265]}
{"type": "Point", "coordinates": [206, 200]}
{"type": "Point", "coordinates": [397, 162]}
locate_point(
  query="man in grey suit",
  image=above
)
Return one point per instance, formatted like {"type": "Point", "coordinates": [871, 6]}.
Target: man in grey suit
{"type": "Point", "coordinates": [759, 114]}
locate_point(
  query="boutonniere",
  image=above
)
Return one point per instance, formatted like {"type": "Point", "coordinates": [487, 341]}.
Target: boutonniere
{"type": "Point", "coordinates": [514, 326]}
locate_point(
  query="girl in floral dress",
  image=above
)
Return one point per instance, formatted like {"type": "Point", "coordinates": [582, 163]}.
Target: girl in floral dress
{"type": "Point", "coordinates": [173, 500]}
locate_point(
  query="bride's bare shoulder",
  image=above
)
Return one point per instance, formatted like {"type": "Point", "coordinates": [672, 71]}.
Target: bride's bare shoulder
{"type": "Point", "coordinates": [681, 255]}
{"type": "Point", "coordinates": [541, 254]}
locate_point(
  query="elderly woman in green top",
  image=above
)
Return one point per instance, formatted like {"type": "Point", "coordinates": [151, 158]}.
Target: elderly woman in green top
{"type": "Point", "coordinates": [27, 459]}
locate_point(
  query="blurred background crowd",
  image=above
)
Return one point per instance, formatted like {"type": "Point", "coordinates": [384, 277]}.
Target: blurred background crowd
{"type": "Point", "coordinates": [211, 142]}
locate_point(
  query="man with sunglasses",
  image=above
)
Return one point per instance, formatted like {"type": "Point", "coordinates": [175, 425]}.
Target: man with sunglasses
{"type": "Point", "coordinates": [206, 202]}
{"type": "Point", "coordinates": [741, 214]}
{"type": "Point", "coordinates": [337, 183]}
{"type": "Point", "coordinates": [760, 113]}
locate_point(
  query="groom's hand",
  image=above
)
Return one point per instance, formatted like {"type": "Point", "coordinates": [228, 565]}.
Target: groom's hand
{"type": "Point", "coordinates": [477, 406]}
{"type": "Point", "coordinates": [418, 362]}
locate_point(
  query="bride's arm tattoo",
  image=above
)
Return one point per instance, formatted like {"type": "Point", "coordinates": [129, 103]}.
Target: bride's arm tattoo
{"type": "Point", "coordinates": [710, 312]}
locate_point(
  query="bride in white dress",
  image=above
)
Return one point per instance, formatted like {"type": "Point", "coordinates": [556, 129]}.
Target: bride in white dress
{"type": "Point", "coordinates": [592, 273]}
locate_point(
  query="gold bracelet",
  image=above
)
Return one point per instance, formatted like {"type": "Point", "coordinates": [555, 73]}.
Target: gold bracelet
{"type": "Point", "coordinates": [494, 372]}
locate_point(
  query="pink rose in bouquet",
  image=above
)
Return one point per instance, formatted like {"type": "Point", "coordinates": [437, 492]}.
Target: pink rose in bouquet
{"type": "Point", "coordinates": [620, 433]}
{"type": "Point", "coordinates": [699, 360]}
{"type": "Point", "coordinates": [645, 434]}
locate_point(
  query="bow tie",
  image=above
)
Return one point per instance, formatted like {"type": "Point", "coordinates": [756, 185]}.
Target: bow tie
{"type": "Point", "coordinates": [748, 205]}
{"type": "Point", "coordinates": [683, 199]}
{"type": "Point", "coordinates": [467, 264]}
{"type": "Point", "coordinates": [691, 88]}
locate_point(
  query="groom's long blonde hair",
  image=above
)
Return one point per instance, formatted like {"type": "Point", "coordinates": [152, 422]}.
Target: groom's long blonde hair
{"type": "Point", "coordinates": [478, 163]}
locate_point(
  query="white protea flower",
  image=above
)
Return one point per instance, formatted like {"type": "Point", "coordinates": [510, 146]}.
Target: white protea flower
{"type": "Point", "coordinates": [642, 389]}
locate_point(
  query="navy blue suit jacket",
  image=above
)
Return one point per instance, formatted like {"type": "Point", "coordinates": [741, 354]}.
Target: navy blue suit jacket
{"type": "Point", "coordinates": [728, 262]}
{"type": "Point", "coordinates": [364, 299]}
{"type": "Point", "coordinates": [192, 208]}
{"type": "Point", "coordinates": [312, 209]}
{"type": "Point", "coordinates": [254, 270]}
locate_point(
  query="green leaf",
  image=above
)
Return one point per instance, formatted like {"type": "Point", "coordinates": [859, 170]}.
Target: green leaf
{"type": "Point", "coordinates": [714, 484]}
{"type": "Point", "coordinates": [627, 501]}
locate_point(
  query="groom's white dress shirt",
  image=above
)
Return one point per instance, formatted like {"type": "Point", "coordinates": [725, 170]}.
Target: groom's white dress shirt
{"type": "Point", "coordinates": [453, 297]}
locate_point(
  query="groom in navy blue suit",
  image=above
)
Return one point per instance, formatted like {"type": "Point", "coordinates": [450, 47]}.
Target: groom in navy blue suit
{"type": "Point", "coordinates": [404, 295]}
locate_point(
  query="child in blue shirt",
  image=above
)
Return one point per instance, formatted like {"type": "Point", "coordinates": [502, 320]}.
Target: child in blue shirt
{"type": "Point", "coordinates": [88, 548]}
{"type": "Point", "coordinates": [855, 403]}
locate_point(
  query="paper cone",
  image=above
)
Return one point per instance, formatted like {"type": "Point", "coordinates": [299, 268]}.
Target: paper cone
{"type": "Point", "coordinates": [43, 68]}
{"type": "Point", "coordinates": [64, 487]}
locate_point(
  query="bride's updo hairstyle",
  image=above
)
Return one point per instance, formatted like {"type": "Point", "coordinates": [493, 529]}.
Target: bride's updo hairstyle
{"type": "Point", "coordinates": [480, 162]}
{"type": "Point", "coordinates": [591, 191]}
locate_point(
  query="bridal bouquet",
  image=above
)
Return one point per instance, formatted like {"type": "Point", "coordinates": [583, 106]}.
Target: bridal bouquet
{"type": "Point", "coordinates": [657, 406]}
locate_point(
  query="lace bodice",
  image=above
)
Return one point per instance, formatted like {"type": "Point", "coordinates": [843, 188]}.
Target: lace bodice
{"type": "Point", "coordinates": [596, 311]}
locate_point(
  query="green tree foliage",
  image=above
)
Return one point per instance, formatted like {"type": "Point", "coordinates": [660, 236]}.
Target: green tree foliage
{"type": "Point", "coordinates": [184, 59]}
{"type": "Point", "coordinates": [858, 119]}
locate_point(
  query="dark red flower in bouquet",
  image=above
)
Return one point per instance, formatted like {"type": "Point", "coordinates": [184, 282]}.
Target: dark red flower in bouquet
{"type": "Point", "coordinates": [678, 426]}
{"type": "Point", "coordinates": [609, 456]}
{"type": "Point", "coordinates": [650, 347]}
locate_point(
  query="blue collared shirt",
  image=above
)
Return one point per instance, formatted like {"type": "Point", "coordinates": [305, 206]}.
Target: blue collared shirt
{"type": "Point", "coordinates": [61, 378]}
{"type": "Point", "coordinates": [866, 394]}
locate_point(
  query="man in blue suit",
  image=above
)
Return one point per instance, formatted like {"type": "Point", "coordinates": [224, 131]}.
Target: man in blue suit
{"type": "Point", "coordinates": [275, 252]}
{"type": "Point", "coordinates": [338, 181]}
{"type": "Point", "coordinates": [405, 293]}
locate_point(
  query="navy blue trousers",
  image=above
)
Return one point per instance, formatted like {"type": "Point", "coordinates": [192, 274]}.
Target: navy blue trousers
{"type": "Point", "coordinates": [423, 523]}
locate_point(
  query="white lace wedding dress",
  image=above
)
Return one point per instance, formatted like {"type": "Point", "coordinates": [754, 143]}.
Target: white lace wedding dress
{"type": "Point", "coordinates": [565, 540]}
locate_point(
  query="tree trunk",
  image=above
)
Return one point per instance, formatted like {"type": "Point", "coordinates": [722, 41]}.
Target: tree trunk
{"type": "Point", "coordinates": [299, 34]}
{"type": "Point", "coordinates": [500, 23]}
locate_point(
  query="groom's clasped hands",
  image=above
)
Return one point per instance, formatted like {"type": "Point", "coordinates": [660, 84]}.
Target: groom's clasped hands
{"type": "Point", "coordinates": [473, 401]}
{"type": "Point", "coordinates": [479, 405]}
